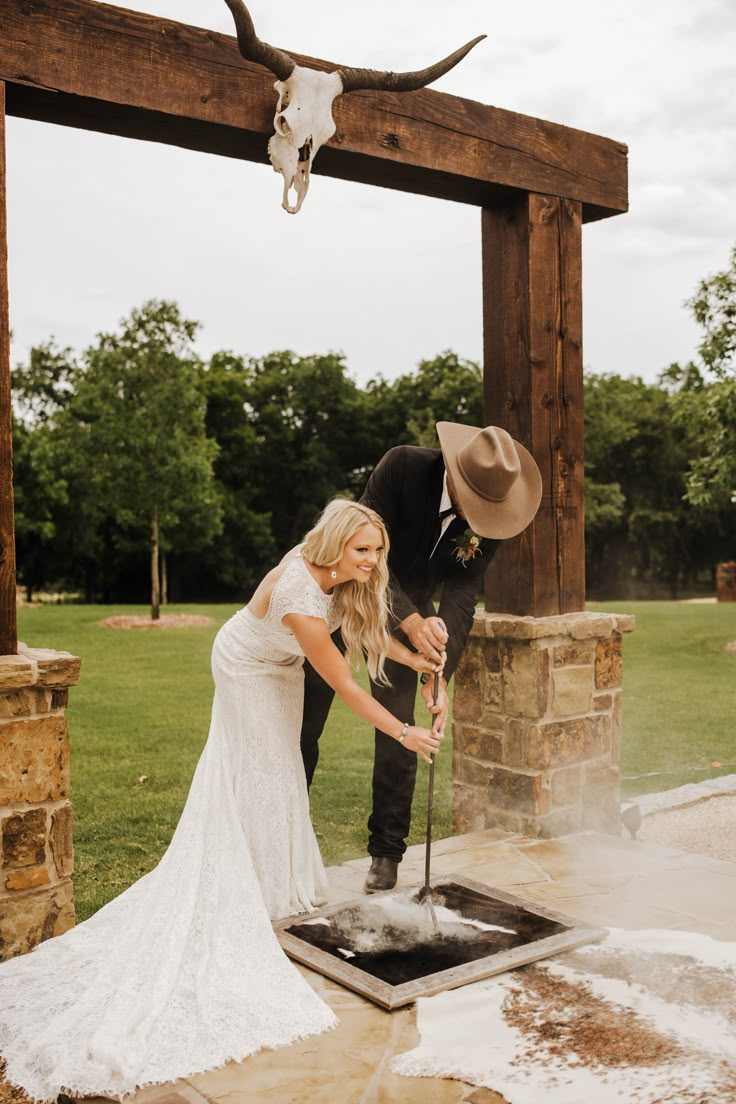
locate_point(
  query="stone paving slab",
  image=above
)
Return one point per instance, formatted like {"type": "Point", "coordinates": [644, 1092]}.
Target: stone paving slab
{"type": "Point", "coordinates": [681, 796]}
{"type": "Point", "coordinates": [511, 872]}
{"type": "Point", "coordinates": [603, 880]}
{"type": "Point", "coordinates": [710, 898]}
{"type": "Point", "coordinates": [503, 862]}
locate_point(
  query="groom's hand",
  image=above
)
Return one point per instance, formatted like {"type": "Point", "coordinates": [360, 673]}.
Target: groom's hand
{"type": "Point", "coordinates": [427, 634]}
{"type": "Point", "coordinates": [442, 706]}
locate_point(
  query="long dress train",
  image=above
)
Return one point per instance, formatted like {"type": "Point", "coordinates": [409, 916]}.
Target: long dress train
{"type": "Point", "coordinates": [182, 971]}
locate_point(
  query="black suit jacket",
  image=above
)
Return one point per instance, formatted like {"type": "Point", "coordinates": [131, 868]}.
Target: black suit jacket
{"type": "Point", "coordinates": [405, 489]}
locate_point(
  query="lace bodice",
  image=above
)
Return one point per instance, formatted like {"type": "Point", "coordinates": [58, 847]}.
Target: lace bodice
{"type": "Point", "coordinates": [297, 591]}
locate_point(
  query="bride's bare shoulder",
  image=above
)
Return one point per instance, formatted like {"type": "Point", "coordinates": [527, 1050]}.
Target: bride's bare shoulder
{"type": "Point", "coordinates": [261, 599]}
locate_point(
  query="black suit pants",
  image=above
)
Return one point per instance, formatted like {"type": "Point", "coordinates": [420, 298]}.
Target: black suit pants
{"type": "Point", "coordinates": [394, 768]}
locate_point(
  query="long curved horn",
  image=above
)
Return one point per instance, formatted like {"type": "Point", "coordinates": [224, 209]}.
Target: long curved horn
{"type": "Point", "coordinates": [355, 79]}
{"type": "Point", "coordinates": [253, 49]}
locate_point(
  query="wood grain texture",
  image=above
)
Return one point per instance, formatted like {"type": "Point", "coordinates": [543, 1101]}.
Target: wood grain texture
{"type": "Point", "coordinates": [8, 623]}
{"type": "Point", "coordinates": [84, 64]}
{"type": "Point", "coordinates": [532, 291]}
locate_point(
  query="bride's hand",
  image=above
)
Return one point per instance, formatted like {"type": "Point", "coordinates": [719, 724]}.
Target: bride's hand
{"type": "Point", "coordinates": [417, 661]}
{"type": "Point", "coordinates": [423, 741]}
{"type": "Point", "coordinates": [421, 664]}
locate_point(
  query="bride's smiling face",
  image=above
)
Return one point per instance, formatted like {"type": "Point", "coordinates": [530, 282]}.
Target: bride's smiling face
{"type": "Point", "coordinates": [361, 554]}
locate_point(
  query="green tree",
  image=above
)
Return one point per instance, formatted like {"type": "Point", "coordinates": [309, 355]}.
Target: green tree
{"type": "Point", "coordinates": [704, 395]}
{"type": "Point", "coordinates": [44, 491]}
{"type": "Point", "coordinates": [446, 388]}
{"type": "Point", "coordinates": [136, 426]}
{"type": "Point", "coordinates": [309, 429]}
{"type": "Point", "coordinates": [45, 384]}
{"type": "Point", "coordinates": [247, 547]}
{"type": "Point", "coordinates": [714, 308]}
{"type": "Point", "coordinates": [40, 490]}
{"type": "Point", "coordinates": [639, 529]}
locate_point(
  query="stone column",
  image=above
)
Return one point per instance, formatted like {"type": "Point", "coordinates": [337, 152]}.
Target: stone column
{"type": "Point", "coordinates": [36, 856]}
{"type": "Point", "coordinates": [537, 724]}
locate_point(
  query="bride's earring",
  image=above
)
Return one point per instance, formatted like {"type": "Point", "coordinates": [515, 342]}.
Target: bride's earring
{"type": "Point", "coordinates": [333, 574]}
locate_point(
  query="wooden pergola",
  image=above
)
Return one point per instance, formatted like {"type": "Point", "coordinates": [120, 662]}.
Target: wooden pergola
{"type": "Point", "coordinates": [89, 65]}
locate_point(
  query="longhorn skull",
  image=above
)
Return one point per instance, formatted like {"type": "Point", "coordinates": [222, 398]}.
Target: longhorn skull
{"type": "Point", "coordinates": [303, 121]}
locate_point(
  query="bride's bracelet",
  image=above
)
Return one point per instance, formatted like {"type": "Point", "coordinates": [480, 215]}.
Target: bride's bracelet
{"type": "Point", "coordinates": [404, 730]}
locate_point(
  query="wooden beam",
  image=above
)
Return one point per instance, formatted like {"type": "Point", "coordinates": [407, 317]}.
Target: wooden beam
{"type": "Point", "coordinates": [8, 629]}
{"type": "Point", "coordinates": [532, 291]}
{"type": "Point", "coordinates": [80, 63]}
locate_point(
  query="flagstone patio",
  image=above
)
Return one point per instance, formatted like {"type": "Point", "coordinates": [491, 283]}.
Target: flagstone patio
{"type": "Point", "coordinates": [600, 879]}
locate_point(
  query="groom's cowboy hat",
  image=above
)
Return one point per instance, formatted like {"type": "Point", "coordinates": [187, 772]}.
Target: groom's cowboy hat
{"type": "Point", "coordinates": [494, 479]}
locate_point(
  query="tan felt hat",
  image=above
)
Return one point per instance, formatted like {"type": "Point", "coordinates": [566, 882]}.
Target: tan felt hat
{"type": "Point", "coordinates": [495, 480]}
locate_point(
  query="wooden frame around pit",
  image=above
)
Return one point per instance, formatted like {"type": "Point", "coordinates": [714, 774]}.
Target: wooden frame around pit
{"type": "Point", "coordinates": [391, 997]}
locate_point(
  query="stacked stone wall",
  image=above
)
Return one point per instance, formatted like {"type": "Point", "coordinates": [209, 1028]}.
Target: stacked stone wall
{"type": "Point", "coordinates": [36, 818]}
{"type": "Point", "coordinates": [537, 724]}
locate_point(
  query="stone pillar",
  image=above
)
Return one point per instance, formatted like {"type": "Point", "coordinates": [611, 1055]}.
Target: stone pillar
{"type": "Point", "coordinates": [537, 724]}
{"type": "Point", "coordinates": [36, 853]}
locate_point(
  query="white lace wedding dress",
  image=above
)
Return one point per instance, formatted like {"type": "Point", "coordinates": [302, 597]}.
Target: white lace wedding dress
{"type": "Point", "coordinates": [182, 971]}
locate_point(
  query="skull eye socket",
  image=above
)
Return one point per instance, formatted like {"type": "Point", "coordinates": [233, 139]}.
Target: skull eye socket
{"type": "Point", "coordinates": [282, 127]}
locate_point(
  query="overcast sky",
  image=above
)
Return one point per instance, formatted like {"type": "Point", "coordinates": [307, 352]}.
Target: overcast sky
{"type": "Point", "coordinates": [100, 224]}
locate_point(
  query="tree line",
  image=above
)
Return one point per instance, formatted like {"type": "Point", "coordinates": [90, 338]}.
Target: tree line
{"type": "Point", "coordinates": [141, 469]}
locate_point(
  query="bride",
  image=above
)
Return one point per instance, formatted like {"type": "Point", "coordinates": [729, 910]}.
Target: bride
{"type": "Point", "coordinates": [182, 972]}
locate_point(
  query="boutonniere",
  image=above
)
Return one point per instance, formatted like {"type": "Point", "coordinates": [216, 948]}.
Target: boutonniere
{"type": "Point", "coordinates": [467, 547]}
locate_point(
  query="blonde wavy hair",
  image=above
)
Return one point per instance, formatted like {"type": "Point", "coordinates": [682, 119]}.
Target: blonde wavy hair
{"type": "Point", "coordinates": [364, 607]}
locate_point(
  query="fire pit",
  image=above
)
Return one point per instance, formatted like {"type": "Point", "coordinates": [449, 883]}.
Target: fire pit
{"type": "Point", "coordinates": [386, 946]}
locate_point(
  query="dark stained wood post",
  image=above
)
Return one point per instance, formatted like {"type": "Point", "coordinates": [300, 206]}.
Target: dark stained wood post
{"type": "Point", "coordinates": [533, 387]}
{"type": "Point", "coordinates": [8, 629]}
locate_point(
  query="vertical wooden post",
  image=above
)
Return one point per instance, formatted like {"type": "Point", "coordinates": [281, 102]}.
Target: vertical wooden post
{"type": "Point", "coordinates": [8, 629]}
{"type": "Point", "coordinates": [532, 318]}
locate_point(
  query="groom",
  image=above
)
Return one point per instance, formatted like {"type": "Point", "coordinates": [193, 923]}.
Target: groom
{"type": "Point", "coordinates": [445, 510]}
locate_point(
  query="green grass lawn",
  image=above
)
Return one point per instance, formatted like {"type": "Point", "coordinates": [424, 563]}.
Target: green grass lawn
{"type": "Point", "coordinates": [143, 703]}
{"type": "Point", "coordinates": [679, 702]}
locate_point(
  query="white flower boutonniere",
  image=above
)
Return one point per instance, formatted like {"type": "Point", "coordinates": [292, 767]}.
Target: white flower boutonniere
{"type": "Point", "coordinates": [468, 547]}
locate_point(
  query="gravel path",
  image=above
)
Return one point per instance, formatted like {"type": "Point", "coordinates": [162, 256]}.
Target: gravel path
{"type": "Point", "coordinates": [705, 828]}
